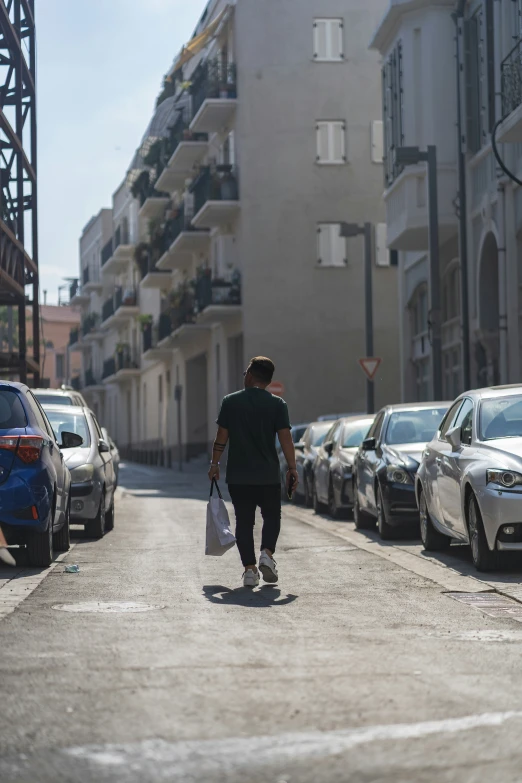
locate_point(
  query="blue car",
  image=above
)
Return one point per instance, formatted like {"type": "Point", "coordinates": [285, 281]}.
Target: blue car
{"type": "Point", "coordinates": [34, 479]}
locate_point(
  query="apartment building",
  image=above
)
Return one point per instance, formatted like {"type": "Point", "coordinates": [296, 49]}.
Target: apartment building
{"type": "Point", "coordinates": [431, 51]}
{"type": "Point", "coordinates": [226, 234]}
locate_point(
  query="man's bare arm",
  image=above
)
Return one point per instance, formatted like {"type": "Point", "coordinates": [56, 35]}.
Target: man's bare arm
{"type": "Point", "coordinates": [287, 444]}
{"type": "Point", "coordinates": [220, 444]}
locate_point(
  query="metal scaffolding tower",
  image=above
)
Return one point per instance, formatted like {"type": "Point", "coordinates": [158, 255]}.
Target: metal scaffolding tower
{"type": "Point", "coordinates": [18, 191]}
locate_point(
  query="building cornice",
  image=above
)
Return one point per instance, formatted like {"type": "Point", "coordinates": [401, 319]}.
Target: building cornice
{"type": "Point", "coordinates": [388, 27]}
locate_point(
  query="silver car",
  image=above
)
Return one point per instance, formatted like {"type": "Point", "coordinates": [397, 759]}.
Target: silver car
{"type": "Point", "coordinates": [115, 454]}
{"type": "Point", "coordinates": [93, 480]}
{"type": "Point", "coordinates": [59, 397]}
{"type": "Point", "coordinates": [469, 484]}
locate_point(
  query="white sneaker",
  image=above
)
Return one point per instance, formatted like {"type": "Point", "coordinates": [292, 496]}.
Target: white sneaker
{"type": "Point", "coordinates": [267, 566]}
{"type": "Point", "coordinates": [250, 578]}
{"type": "Point", "coordinates": [6, 556]}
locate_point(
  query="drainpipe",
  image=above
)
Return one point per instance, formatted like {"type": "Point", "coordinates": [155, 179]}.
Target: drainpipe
{"type": "Point", "coordinates": [458, 17]}
{"type": "Point", "coordinates": [501, 211]}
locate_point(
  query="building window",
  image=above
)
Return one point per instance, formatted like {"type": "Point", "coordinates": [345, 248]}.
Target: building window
{"type": "Point", "coordinates": [377, 141]}
{"type": "Point", "coordinates": [331, 142]}
{"type": "Point", "coordinates": [392, 112]}
{"type": "Point", "coordinates": [331, 246]}
{"type": "Point", "coordinates": [451, 338]}
{"type": "Point", "coordinates": [420, 343]}
{"type": "Point", "coordinates": [60, 365]}
{"type": "Point", "coordinates": [328, 40]}
{"type": "Point", "coordinates": [480, 76]}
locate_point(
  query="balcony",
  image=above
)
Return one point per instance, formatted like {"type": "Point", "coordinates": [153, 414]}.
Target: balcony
{"type": "Point", "coordinates": [217, 299]}
{"type": "Point", "coordinates": [407, 208]}
{"type": "Point", "coordinates": [151, 277]}
{"type": "Point", "coordinates": [78, 297]}
{"type": "Point", "coordinates": [216, 197]}
{"type": "Point", "coordinates": [92, 383]}
{"type": "Point", "coordinates": [152, 200]}
{"type": "Point", "coordinates": [510, 129]}
{"type": "Point", "coordinates": [74, 338]}
{"type": "Point", "coordinates": [153, 336]}
{"type": "Point", "coordinates": [76, 383]}
{"type": "Point", "coordinates": [122, 253]}
{"type": "Point", "coordinates": [120, 308]}
{"type": "Point", "coordinates": [91, 280]}
{"type": "Point", "coordinates": [214, 96]}
{"type": "Point", "coordinates": [180, 240]}
{"type": "Point", "coordinates": [122, 367]}
{"type": "Point", "coordinates": [188, 150]}
{"type": "Point", "coordinates": [91, 328]}
{"type": "Point", "coordinates": [109, 368]}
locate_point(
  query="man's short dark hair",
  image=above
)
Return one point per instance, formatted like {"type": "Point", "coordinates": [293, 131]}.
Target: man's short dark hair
{"type": "Point", "coordinates": [262, 369]}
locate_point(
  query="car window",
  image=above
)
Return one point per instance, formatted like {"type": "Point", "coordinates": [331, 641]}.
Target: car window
{"type": "Point", "coordinates": [449, 418]}
{"type": "Point", "coordinates": [375, 429]}
{"type": "Point", "coordinates": [318, 434]}
{"type": "Point", "coordinates": [501, 418]}
{"type": "Point", "coordinates": [12, 414]}
{"type": "Point", "coordinates": [98, 428]}
{"type": "Point", "coordinates": [464, 420]}
{"type": "Point", "coordinates": [354, 434]}
{"type": "Point", "coordinates": [70, 421]}
{"type": "Point", "coordinates": [297, 433]}
{"type": "Point", "coordinates": [335, 432]}
{"type": "Point", "coordinates": [46, 420]}
{"type": "Point", "coordinates": [38, 412]}
{"type": "Point", "coordinates": [53, 399]}
{"type": "Point", "coordinates": [417, 426]}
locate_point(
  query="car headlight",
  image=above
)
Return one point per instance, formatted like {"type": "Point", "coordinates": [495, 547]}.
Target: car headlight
{"type": "Point", "coordinates": [82, 473]}
{"type": "Point", "coordinates": [398, 475]}
{"type": "Point", "coordinates": [507, 478]}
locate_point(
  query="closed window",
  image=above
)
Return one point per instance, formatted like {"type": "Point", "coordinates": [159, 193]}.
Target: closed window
{"type": "Point", "coordinates": [331, 142]}
{"type": "Point", "coordinates": [328, 40]}
{"type": "Point", "coordinates": [60, 365]}
{"type": "Point", "coordinates": [377, 140]}
{"type": "Point", "coordinates": [449, 418]}
{"type": "Point", "coordinates": [331, 246]}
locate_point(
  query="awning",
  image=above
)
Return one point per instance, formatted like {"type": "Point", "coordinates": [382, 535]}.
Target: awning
{"type": "Point", "coordinates": [198, 43]}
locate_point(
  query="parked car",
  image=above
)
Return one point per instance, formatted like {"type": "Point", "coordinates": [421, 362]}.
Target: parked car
{"type": "Point", "coordinates": [59, 397]}
{"type": "Point", "coordinates": [92, 470]}
{"type": "Point", "coordinates": [305, 453]}
{"type": "Point", "coordinates": [297, 431]}
{"type": "Point", "coordinates": [115, 454]}
{"type": "Point", "coordinates": [469, 484]}
{"type": "Point", "coordinates": [34, 480]}
{"type": "Point", "coordinates": [333, 468]}
{"type": "Point", "coordinates": [386, 464]}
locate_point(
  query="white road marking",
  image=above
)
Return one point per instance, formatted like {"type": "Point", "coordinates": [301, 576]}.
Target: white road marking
{"type": "Point", "coordinates": [179, 760]}
{"type": "Point", "coordinates": [16, 584]}
{"type": "Point", "coordinates": [108, 607]}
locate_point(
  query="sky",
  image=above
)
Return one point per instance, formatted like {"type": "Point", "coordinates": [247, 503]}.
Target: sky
{"type": "Point", "coordinates": [100, 65]}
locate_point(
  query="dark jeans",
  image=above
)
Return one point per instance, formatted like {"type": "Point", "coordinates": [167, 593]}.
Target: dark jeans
{"type": "Point", "coordinates": [246, 498]}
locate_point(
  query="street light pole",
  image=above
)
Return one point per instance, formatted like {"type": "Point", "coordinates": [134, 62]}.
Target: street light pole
{"type": "Point", "coordinates": [410, 156]}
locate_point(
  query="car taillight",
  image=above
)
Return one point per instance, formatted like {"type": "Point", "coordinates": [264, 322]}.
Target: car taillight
{"type": "Point", "coordinates": [27, 447]}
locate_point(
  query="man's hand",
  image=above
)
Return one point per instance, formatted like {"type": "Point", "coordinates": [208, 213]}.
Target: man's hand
{"type": "Point", "coordinates": [291, 476]}
{"type": "Point", "coordinates": [214, 472]}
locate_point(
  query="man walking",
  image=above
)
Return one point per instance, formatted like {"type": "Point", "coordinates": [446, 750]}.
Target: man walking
{"type": "Point", "coordinates": [249, 421]}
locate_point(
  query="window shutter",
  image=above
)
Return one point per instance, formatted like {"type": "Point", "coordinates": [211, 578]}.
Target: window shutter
{"type": "Point", "coordinates": [336, 39]}
{"type": "Point", "coordinates": [328, 39]}
{"type": "Point", "coordinates": [382, 256]}
{"type": "Point", "coordinates": [320, 39]}
{"type": "Point", "coordinates": [377, 141]}
{"type": "Point", "coordinates": [323, 142]}
{"type": "Point", "coordinates": [331, 246]}
{"type": "Point", "coordinates": [338, 142]}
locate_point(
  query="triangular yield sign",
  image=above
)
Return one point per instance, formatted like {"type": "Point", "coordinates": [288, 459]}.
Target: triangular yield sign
{"type": "Point", "coordinates": [370, 365]}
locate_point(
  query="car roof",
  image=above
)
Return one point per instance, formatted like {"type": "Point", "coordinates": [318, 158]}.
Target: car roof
{"type": "Point", "coordinates": [14, 384]}
{"type": "Point", "coordinates": [66, 408]}
{"type": "Point", "coordinates": [365, 417]}
{"type": "Point", "coordinates": [57, 392]}
{"type": "Point", "coordinates": [494, 391]}
{"type": "Point", "coordinates": [416, 406]}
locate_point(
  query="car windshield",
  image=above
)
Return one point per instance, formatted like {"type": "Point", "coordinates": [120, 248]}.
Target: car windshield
{"type": "Point", "coordinates": [414, 426]}
{"type": "Point", "coordinates": [355, 433]}
{"type": "Point", "coordinates": [319, 433]}
{"type": "Point", "coordinates": [12, 414]}
{"type": "Point", "coordinates": [53, 399]}
{"type": "Point", "coordinates": [501, 418]}
{"type": "Point", "coordinates": [297, 433]}
{"type": "Point", "coordinates": [74, 421]}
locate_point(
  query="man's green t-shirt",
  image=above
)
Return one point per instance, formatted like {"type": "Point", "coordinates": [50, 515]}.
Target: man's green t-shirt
{"type": "Point", "coordinates": [252, 418]}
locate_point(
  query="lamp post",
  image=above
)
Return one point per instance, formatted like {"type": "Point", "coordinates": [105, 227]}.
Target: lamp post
{"type": "Point", "coordinates": [410, 156]}
{"type": "Point", "coordinates": [354, 230]}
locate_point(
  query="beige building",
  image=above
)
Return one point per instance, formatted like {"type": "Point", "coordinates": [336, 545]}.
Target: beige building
{"type": "Point", "coordinates": [225, 238]}
{"type": "Point", "coordinates": [59, 365]}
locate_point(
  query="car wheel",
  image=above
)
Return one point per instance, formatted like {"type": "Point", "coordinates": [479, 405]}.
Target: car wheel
{"type": "Point", "coordinates": [62, 539]}
{"type": "Point", "coordinates": [483, 558]}
{"type": "Point", "coordinates": [95, 528]}
{"type": "Point", "coordinates": [333, 509]}
{"type": "Point", "coordinates": [362, 520]}
{"type": "Point", "coordinates": [316, 503]}
{"type": "Point", "coordinates": [386, 531]}
{"type": "Point", "coordinates": [307, 496]}
{"type": "Point", "coordinates": [432, 540]}
{"type": "Point", "coordinates": [40, 547]}
{"type": "Point", "coordinates": [109, 518]}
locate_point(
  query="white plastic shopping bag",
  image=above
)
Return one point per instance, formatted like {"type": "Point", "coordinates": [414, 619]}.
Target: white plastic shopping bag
{"type": "Point", "coordinates": [219, 536]}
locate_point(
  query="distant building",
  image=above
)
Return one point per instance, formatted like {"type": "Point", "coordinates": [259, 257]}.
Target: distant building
{"type": "Point", "coordinates": [58, 364]}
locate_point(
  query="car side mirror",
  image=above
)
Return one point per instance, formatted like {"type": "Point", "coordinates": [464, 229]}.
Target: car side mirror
{"type": "Point", "coordinates": [300, 446]}
{"type": "Point", "coordinates": [70, 440]}
{"type": "Point", "coordinates": [328, 447]}
{"type": "Point", "coordinates": [454, 437]}
{"type": "Point", "coordinates": [103, 446]}
{"type": "Point", "coordinates": [369, 444]}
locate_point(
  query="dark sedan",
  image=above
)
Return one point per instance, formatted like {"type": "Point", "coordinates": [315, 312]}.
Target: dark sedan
{"type": "Point", "coordinates": [386, 464]}
{"type": "Point", "coordinates": [305, 454]}
{"type": "Point", "coordinates": [334, 464]}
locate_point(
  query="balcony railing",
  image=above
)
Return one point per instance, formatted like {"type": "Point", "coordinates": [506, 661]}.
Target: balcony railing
{"type": "Point", "coordinates": [121, 235]}
{"type": "Point", "coordinates": [175, 226]}
{"type": "Point", "coordinates": [216, 291]}
{"type": "Point", "coordinates": [106, 252]}
{"type": "Point", "coordinates": [218, 185]}
{"type": "Point", "coordinates": [511, 80]}
{"type": "Point", "coordinates": [73, 289]}
{"type": "Point", "coordinates": [125, 360]}
{"type": "Point", "coordinates": [109, 367]}
{"type": "Point", "coordinates": [164, 326]}
{"type": "Point", "coordinates": [89, 323]}
{"type": "Point", "coordinates": [108, 308]}
{"type": "Point", "coordinates": [125, 297]}
{"type": "Point", "coordinates": [86, 275]}
{"type": "Point", "coordinates": [90, 379]}
{"type": "Point", "coordinates": [213, 79]}
{"type": "Point", "coordinates": [74, 336]}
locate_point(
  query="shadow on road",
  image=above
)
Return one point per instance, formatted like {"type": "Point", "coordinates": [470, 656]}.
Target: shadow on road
{"type": "Point", "coordinates": [265, 597]}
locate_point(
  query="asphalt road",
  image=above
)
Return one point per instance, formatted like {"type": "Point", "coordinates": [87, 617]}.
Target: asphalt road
{"type": "Point", "coordinates": [364, 664]}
